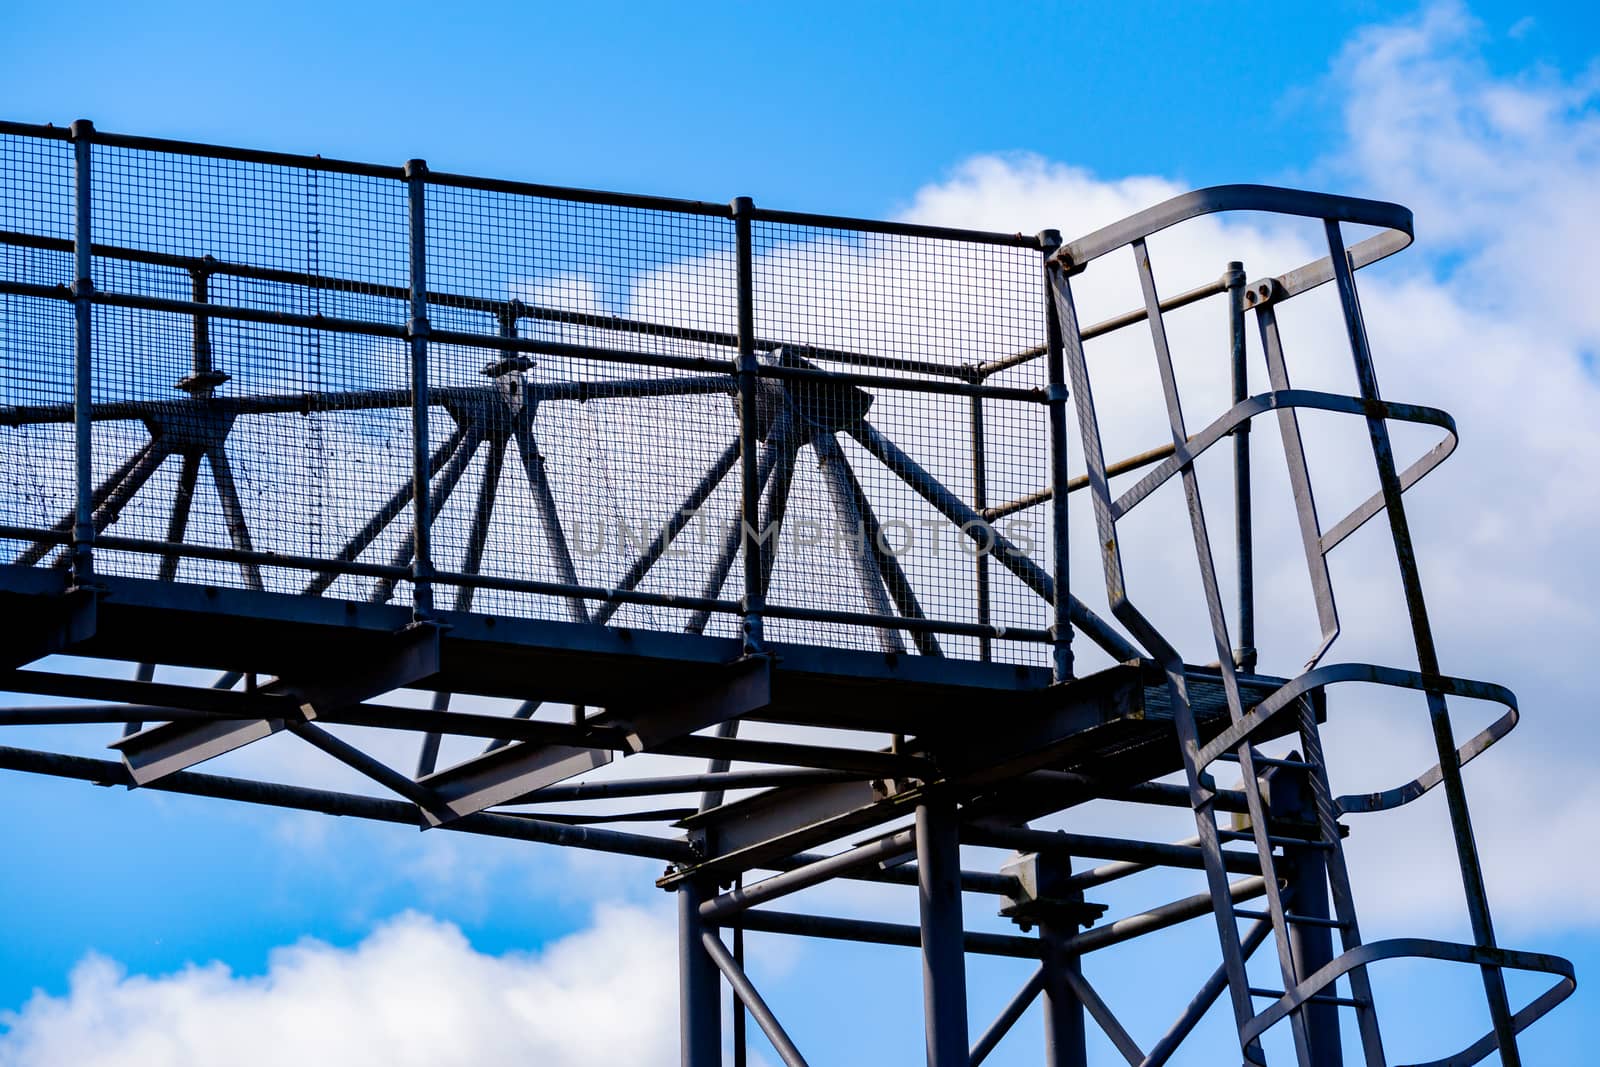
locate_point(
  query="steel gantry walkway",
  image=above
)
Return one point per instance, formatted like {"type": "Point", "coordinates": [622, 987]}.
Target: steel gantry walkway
{"type": "Point", "coordinates": [571, 487]}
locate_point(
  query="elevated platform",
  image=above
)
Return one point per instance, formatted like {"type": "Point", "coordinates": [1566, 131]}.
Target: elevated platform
{"type": "Point", "coordinates": [783, 494]}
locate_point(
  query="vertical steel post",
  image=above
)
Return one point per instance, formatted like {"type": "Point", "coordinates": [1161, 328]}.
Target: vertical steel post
{"type": "Point", "coordinates": [741, 1046]}
{"type": "Point", "coordinates": [200, 348]}
{"type": "Point", "coordinates": [1244, 657]}
{"type": "Point", "coordinates": [1291, 801]}
{"type": "Point", "coordinates": [980, 503]}
{"type": "Point", "coordinates": [1056, 399]}
{"type": "Point", "coordinates": [202, 380]}
{"type": "Point", "coordinates": [944, 976]}
{"type": "Point", "coordinates": [1065, 1040]}
{"type": "Point", "coordinates": [699, 982]}
{"type": "Point", "coordinates": [83, 354]}
{"type": "Point", "coordinates": [417, 329]}
{"type": "Point", "coordinates": [1305, 873]}
{"type": "Point", "coordinates": [749, 383]}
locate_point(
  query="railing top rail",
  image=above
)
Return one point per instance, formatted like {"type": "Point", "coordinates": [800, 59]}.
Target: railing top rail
{"type": "Point", "coordinates": [1263, 198]}
{"type": "Point", "coordinates": [636, 201]}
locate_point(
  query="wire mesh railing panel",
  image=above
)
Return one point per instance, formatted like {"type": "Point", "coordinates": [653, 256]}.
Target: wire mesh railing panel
{"type": "Point", "coordinates": [36, 190]}
{"type": "Point", "coordinates": [255, 320]}
{"type": "Point", "coordinates": [883, 516]}
{"type": "Point", "coordinates": [35, 374]}
{"type": "Point", "coordinates": [36, 198]}
{"type": "Point", "coordinates": [595, 458]}
{"type": "Point", "coordinates": [282, 437]}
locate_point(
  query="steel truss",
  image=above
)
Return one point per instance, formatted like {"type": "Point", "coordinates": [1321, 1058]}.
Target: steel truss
{"type": "Point", "coordinates": [313, 661]}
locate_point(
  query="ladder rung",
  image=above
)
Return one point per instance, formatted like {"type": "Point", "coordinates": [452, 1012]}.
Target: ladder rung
{"type": "Point", "coordinates": [1289, 916]}
{"type": "Point", "coordinates": [1277, 842]}
{"type": "Point", "coordinates": [1317, 998]}
{"type": "Point", "coordinates": [1267, 761]}
{"type": "Point", "coordinates": [1273, 761]}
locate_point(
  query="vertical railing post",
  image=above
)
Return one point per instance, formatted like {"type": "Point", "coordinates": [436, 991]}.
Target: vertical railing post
{"type": "Point", "coordinates": [83, 353]}
{"type": "Point", "coordinates": [980, 503]}
{"type": "Point", "coordinates": [699, 983]}
{"type": "Point", "coordinates": [749, 384]}
{"type": "Point", "coordinates": [944, 971]}
{"type": "Point", "coordinates": [417, 329]}
{"type": "Point", "coordinates": [1244, 657]}
{"type": "Point", "coordinates": [1056, 401]}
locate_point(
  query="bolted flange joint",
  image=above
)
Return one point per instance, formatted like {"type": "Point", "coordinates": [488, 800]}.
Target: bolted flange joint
{"type": "Point", "coordinates": [1044, 895]}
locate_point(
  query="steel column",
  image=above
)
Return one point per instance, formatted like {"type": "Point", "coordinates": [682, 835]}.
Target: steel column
{"type": "Point", "coordinates": [699, 981]}
{"type": "Point", "coordinates": [1305, 874]}
{"type": "Point", "coordinates": [944, 976]}
{"type": "Point", "coordinates": [1064, 1038]}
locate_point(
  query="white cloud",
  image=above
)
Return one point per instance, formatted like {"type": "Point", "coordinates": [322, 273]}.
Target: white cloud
{"type": "Point", "coordinates": [414, 992]}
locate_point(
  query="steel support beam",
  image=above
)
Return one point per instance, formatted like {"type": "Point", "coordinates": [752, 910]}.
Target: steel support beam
{"type": "Point", "coordinates": [944, 967]}
{"type": "Point", "coordinates": [870, 932]}
{"type": "Point", "coordinates": [505, 774]}
{"type": "Point", "coordinates": [1065, 1041]}
{"type": "Point", "coordinates": [1008, 1017]}
{"type": "Point", "coordinates": [699, 984]}
{"type": "Point", "coordinates": [329, 802]}
{"type": "Point", "coordinates": [1305, 874]}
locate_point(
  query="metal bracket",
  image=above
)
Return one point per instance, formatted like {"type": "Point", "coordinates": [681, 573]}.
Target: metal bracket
{"type": "Point", "coordinates": [1044, 894]}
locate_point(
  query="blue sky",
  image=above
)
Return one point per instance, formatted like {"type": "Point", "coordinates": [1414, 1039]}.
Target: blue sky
{"type": "Point", "coordinates": [1474, 116]}
{"type": "Point", "coordinates": [846, 108]}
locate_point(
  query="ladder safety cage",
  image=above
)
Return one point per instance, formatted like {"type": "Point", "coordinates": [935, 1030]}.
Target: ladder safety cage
{"type": "Point", "coordinates": [1235, 744]}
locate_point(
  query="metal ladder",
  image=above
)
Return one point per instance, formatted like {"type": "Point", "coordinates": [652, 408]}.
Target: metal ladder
{"type": "Point", "coordinates": [1308, 998]}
